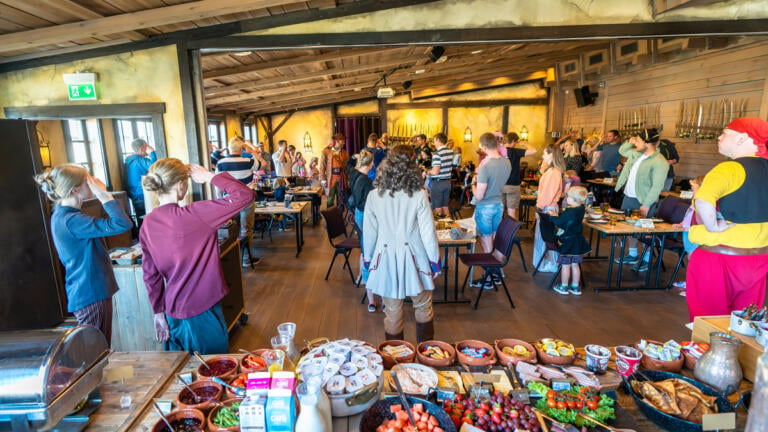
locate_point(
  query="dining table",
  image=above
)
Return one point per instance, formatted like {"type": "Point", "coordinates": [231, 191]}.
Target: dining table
{"type": "Point", "coordinates": [313, 193]}
{"type": "Point", "coordinates": [447, 243]}
{"type": "Point", "coordinates": [294, 208]}
{"type": "Point", "coordinates": [619, 231]}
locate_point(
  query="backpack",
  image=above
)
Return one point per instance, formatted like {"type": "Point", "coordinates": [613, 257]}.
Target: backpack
{"type": "Point", "coordinates": [351, 201]}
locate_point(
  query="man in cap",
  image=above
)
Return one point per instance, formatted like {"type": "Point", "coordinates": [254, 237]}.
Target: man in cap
{"type": "Point", "coordinates": [136, 166]}
{"type": "Point", "coordinates": [643, 178]}
{"type": "Point", "coordinates": [728, 270]}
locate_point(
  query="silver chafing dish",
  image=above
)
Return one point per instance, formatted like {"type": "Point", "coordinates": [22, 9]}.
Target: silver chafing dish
{"type": "Point", "coordinates": [46, 374]}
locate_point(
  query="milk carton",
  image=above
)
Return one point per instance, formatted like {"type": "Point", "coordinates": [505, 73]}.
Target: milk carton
{"type": "Point", "coordinates": [281, 410]}
{"type": "Point", "coordinates": [253, 416]}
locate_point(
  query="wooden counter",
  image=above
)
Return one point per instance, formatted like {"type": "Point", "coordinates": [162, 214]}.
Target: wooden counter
{"type": "Point", "coordinates": [154, 377]}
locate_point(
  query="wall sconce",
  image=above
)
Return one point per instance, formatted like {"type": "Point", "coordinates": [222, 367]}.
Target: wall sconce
{"type": "Point", "coordinates": [467, 135]}
{"type": "Point", "coordinates": [307, 142]}
{"type": "Point", "coordinates": [524, 133]}
{"type": "Point", "coordinates": [45, 150]}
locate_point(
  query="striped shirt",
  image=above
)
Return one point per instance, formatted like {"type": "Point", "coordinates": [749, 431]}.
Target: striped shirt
{"type": "Point", "coordinates": [443, 158]}
{"type": "Point", "coordinates": [239, 167]}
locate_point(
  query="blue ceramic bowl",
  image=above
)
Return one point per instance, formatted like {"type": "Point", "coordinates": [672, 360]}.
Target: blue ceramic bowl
{"type": "Point", "coordinates": [668, 421]}
{"type": "Point", "coordinates": [376, 414]}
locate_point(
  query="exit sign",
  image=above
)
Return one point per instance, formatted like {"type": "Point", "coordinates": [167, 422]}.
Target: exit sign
{"type": "Point", "coordinates": [82, 91]}
{"type": "Point", "coordinates": [81, 86]}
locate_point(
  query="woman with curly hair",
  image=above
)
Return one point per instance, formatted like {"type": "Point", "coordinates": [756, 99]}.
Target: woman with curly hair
{"type": "Point", "coordinates": [400, 249]}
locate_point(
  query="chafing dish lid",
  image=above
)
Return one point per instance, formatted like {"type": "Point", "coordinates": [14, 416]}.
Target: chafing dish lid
{"type": "Point", "coordinates": [37, 365]}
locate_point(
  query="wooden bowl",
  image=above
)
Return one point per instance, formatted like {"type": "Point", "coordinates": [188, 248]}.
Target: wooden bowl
{"type": "Point", "coordinates": [246, 369]}
{"type": "Point", "coordinates": [507, 359]}
{"type": "Point", "coordinates": [224, 367]}
{"type": "Point", "coordinates": [390, 361]}
{"type": "Point", "coordinates": [650, 363]}
{"type": "Point", "coordinates": [206, 404]}
{"type": "Point", "coordinates": [423, 359]}
{"type": "Point", "coordinates": [472, 361]}
{"type": "Point", "coordinates": [545, 358]}
{"type": "Point", "coordinates": [179, 414]}
{"type": "Point", "coordinates": [229, 393]}
{"type": "Point", "coordinates": [212, 427]}
{"type": "Point", "coordinates": [690, 361]}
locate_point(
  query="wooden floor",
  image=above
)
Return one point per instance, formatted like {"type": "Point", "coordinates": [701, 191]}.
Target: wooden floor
{"type": "Point", "coordinates": [283, 288]}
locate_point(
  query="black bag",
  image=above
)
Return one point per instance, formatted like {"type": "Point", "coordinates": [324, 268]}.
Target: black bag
{"type": "Point", "coordinates": [351, 201]}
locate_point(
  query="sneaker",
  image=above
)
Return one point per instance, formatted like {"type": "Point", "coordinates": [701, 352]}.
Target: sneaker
{"type": "Point", "coordinates": [574, 290]}
{"type": "Point", "coordinates": [255, 260]}
{"type": "Point", "coordinates": [477, 283]}
{"type": "Point", "coordinates": [679, 284]}
{"type": "Point", "coordinates": [641, 266]}
{"type": "Point", "coordinates": [371, 308]}
{"type": "Point", "coordinates": [488, 285]}
{"type": "Point", "coordinates": [246, 264]}
{"type": "Point", "coordinates": [561, 289]}
{"type": "Point", "coordinates": [496, 279]}
{"type": "Point", "coordinates": [682, 293]}
{"type": "Point", "coordinates": [628, 259]}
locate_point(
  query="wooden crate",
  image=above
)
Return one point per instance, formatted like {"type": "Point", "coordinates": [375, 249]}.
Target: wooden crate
{"type": "Point", "coordinates": [749, 352]}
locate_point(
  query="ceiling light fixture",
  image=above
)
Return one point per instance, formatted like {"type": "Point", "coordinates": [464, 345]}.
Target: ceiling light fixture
{"type": "Point", "coordinates": [243, 53]}
{"type": "Point", "coordinates": [419, 71]}
{"type": "Point", "coordinates": [477, 51]}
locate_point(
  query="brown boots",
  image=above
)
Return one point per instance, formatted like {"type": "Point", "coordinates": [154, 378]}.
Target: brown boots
{"type": "Point", "coordinates": [425, 331]}
{"type": "Point", "coordinates": [397, 336]}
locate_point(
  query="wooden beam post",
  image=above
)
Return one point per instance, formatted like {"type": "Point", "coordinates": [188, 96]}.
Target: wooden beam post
{"type": "Point", "coordinates": [382, 115]}
{"type": "Point", "coordinates": [270, 135]}
{"type": "Point", "coordinates": [505, 119]}
{"type": "Point", "coordinates": [445, 121]}
{"type": "Point", "coordinates": [195, 117]}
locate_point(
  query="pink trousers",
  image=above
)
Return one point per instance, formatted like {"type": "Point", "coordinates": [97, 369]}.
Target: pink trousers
{"type": "Point", "coordinates": [717, 284]}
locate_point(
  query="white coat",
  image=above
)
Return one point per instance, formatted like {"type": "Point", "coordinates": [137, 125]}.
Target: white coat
{"type": "Point", "coordinates": [399, 242]}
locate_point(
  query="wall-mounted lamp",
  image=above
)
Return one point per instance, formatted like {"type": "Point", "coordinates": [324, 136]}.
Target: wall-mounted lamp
{"type": "Point", "coordinates": [467, 135]}
{"type": "Point", "coordinates": [524, 133]}
{"type": "Point", "coordinates": [307, 142]}
{"type": "Point", "coordinates": [45, 150]}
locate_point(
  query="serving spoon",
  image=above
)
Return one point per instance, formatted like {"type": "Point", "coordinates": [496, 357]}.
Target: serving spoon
{"type": "Point", "coordinates": [239, 391]}
{"type": "Point", "coordinates": [202, 360]}
{"type": "Point", "coordinates": [610, 428]}
{"type": "Point", "coordinates": [186, 386]}
{"type": "Point", "coordinates": [162, 416]}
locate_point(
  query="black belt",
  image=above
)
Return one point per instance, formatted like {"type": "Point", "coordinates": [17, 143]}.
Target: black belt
{"type": "Point", "coordinates": [439, 179]}
{"type": "Point", "coordinates": [335, 170]}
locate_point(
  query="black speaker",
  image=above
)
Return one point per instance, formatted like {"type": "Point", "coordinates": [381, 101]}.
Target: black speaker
{"type": "Point", "coordinates": [435, 53]}
{"type": "Point", "coordinates": [584, 97]}
{"type": "Point", "coordinates": [407, 84]}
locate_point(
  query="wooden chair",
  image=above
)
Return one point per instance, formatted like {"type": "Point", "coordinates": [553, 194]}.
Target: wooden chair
{"type": "Point", "coordinates": [672, 210]}
{"type": "Point", "coordinates": [341, 242]}
{"type": "Point", "coordinates": [491, 264]}
{"type": "Point", "coordinates": [549, 235]}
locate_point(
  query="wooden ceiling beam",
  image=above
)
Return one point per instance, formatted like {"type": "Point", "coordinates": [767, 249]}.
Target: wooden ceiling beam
{"type": "Point", "coordinates": [309, 103]}
{"type": "Point", "coordinates": [131, 21]}
{"type": "Point", "coordinates": [292, 61]}
{"type": "Point", "coordinates": [476, 84]}
{"type": "Point", "coordinates": [382, 65]}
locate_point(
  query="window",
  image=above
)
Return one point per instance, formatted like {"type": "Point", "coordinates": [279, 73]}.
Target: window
{"type": "Point", "coordinates": [85, 147]}
{"type": "Point", "coordinates": [249, 132]}
{"type": "Point", "coordinates": [127, 130]}
{"type": "Point", "coordinates": [217, 135]}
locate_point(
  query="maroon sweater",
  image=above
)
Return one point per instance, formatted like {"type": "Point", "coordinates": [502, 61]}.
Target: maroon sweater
{"type": "Point", "coordinates": [181, 264]}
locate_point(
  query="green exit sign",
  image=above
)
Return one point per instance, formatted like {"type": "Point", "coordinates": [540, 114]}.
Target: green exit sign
{"type": "Point", "coordinates": [82, 91]}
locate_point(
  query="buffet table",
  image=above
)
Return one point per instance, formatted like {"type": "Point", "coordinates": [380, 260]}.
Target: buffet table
{"type": "Point", "coordinates": [147, 376]}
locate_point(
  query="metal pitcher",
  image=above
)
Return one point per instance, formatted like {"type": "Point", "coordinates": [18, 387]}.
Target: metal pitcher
{"type": "Point", "coordinates": [719, 367]}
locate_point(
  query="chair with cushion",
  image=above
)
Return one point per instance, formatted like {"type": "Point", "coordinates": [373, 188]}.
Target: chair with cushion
{"type": "Point", "coordinates": [342, 243]}
{"type": "Point", "coordinates": [490, 262]}
{"type": "Point", "coordinates": [672, 210]}
{"type": "Point", "coordinates": [549, 235]}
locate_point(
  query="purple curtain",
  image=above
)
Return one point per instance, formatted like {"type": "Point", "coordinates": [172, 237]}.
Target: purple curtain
{"type": "Point", "coordinates": [356, 130]}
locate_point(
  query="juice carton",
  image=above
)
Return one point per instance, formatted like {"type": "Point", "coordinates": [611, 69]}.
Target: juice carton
{"type": "Point", "coordinates": [283, 380]}
{"type": "Point", "coordinates": [281, 411]}
{"type": "Point", "coordinates": [253, 416]}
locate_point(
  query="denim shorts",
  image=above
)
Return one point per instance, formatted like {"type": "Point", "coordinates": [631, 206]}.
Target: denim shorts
{"type": "Point", "coordinates": [488, 218]}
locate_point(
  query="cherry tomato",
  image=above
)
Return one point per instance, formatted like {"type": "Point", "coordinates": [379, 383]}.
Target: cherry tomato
{"type": "Point", "coordinates": [571, 404]}
{"type": "Point", "coordinates": [561, 405]}
{"type": "Point", "coordinates": [496, 418]}
{"type": "Point", "coordinates": [551, 394]}
{"type": "Point", "coordinates": [551, 403]}
{"type": "Point", "coordinates": [579, 404]}
{"type": "Point", "coordinates": [591, 404]}
{"type": "Point", "coordinates": [467, 420]}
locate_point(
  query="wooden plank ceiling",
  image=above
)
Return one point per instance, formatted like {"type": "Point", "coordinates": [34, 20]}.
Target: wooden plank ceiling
{"type": "Point", "coordinates": [29, 27]}
{"type": "Point", "coordinates": [261, 82]}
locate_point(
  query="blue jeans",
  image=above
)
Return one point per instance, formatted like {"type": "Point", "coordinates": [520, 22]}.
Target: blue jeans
{"type": "Point", "coordinates": [205, 333]}
{"type": "Point", "coordinates": [488, 218]}
{"type": "Point", "coordinates": [359, 222]}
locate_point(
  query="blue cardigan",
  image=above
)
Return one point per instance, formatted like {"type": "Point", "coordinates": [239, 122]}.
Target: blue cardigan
{"type": "Point", "coordinates": [82, 250]}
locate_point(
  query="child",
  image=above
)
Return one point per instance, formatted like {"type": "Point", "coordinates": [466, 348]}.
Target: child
{"type": "Point", "coordinates": [571, 238]}
{"type": "Point", "coordinates": [279, 189]}
{"type": "Point", "coordinates": [688, 220]}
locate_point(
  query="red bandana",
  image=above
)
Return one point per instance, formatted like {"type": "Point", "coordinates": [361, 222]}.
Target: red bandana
{"type": "Point", "coordinates": [756, 128]}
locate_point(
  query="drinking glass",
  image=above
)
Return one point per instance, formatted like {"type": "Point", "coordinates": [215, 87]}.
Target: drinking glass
{"type": "Point", "coordinates": [274, 359]}
{"type": "Point", "coordinates": [604, 206]}
{"type": "Point", "coordinates": [635, 213]}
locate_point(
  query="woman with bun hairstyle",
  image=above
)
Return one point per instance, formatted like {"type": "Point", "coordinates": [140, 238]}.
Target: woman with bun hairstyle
{"type": "Point", "coordinates": [79, 240]}
{"type": "Point", "coordinates": [181, 264]}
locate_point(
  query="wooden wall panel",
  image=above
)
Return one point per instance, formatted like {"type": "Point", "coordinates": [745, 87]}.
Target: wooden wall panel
{"type": "Point", "coordinates": [735, 73]}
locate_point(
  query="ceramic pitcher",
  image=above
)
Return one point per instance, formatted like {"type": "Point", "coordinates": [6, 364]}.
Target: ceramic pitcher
{"type": "Point", "coordinates": [719, 367]}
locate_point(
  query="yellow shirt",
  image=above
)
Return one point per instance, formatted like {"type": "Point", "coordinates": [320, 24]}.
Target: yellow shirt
{"type": "Point", "coordinates": [722, 180]}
